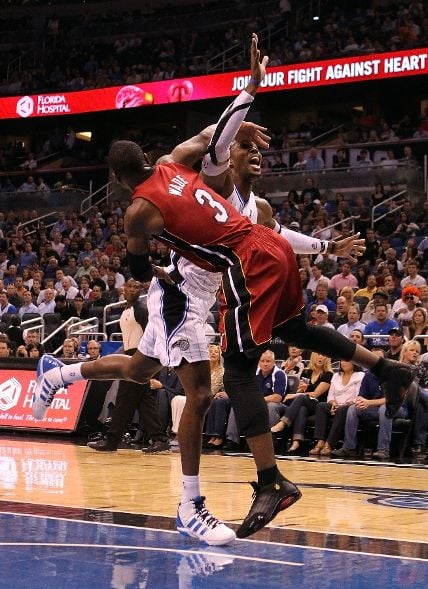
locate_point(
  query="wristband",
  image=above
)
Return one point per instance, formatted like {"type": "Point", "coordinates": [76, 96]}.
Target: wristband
{"type": "Point", "coordinates": [140, 266]}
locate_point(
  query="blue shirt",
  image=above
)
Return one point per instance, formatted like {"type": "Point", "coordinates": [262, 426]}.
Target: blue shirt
{"type": "Point", "coordinates": [274, 383]}
{"type": "Point", "coordinates": [376, 328]}
{"type": "Point", "coordinates": [370, 387]}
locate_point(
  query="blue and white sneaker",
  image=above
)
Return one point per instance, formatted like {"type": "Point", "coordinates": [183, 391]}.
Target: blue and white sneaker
{"type": "Point", "coordinates": [200, 565]}
{"type": "Point", "coordinates": [194, 520]}
{"type": "Point", "coordinates": [46, 387]}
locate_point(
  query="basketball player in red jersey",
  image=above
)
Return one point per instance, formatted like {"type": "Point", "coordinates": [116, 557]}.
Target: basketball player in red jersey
{"type": "Point", "coordinates": [260, 281]}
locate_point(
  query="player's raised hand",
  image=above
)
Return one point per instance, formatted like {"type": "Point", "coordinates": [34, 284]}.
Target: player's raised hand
{"type": "Point", "coordinates": [252, 132]}
{"type": "Point", "coordinates": [258, 68]}
{"type": "Point", "coordinates": [351, 247]}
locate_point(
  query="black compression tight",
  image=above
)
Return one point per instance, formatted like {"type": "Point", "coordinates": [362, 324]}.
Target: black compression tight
{"type": "Point", "coordinates": [240, 384]}
{"type": "Point", "coordinates": [315, 338]}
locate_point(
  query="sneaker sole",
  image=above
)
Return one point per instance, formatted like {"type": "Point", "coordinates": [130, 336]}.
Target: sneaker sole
{"type": "Point", "coordinates": [189, 534]}
{"type": "Point", "coordinates": [38, 401]}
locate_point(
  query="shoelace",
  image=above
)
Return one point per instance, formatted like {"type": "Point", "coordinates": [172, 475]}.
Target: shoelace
{"type": "Point", "coordinates": [203, 513]}
{"type": "Point", "coordinates": [53, 392]}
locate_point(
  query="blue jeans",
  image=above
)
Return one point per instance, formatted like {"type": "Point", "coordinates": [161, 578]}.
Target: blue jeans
{"type": "Point", "coordinates": [353, 418]}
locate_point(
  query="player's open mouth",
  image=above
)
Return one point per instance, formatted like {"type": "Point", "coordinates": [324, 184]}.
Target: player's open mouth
{"type": "Point", "coordinates": [255, 162]}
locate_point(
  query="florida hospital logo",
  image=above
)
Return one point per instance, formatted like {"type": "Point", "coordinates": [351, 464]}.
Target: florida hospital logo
{"type": "Point", "coordinates": [9, 394]}
{"type": "Point", "coordinates": [25, 107]}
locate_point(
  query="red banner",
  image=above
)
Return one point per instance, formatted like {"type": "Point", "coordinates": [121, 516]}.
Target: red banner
{"type": "Point", "coordinates": [288, 77]}
{"type": "Point", "coordinates": [16, 400]}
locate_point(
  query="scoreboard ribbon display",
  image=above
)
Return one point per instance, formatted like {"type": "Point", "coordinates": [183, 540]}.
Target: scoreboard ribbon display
{"type": "Point", "coordinates": [286, 77]}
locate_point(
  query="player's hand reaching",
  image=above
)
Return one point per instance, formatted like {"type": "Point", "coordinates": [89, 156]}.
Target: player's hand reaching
{"type": "Point", "coordinates": [255, 133]}
{"type": "Point", "coordinates": [351, 247]}
{"type": "Point", "coordinates": [258, 68]}
{"type": "Point", "coordinates": [160, 272]}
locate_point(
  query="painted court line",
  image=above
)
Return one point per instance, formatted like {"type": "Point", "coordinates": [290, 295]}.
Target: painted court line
{"type": "Point", "coordinates": [153, 549]}
{"type": "Point", "coordinates": [263, 542]}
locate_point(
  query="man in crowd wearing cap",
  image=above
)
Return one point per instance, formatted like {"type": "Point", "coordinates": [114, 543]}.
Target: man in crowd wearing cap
{"type": "Point", "coordinates": [294, 225]}
{"type": "Point", "coordinates": [381, 326]}
{"type": "Point", "coordinates": [395, 341]}
{"type": "Point", "coordinates": [321, 316]}
{"type": "Point", "coordinates": [380, 296]}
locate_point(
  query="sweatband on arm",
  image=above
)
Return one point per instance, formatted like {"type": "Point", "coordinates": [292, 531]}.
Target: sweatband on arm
{"type": "Point", "coordinates": [140, 266]}
{"type": "Point", "coordinates": [303, 244]}
{"type": "Point", "coordinates": [224, 133]}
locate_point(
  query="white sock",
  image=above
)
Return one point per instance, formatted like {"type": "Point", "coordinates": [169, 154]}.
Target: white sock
{"type": "Point", "coordinates": [70, 372]}
{"type": "Point", "coordinates": [191, 488]}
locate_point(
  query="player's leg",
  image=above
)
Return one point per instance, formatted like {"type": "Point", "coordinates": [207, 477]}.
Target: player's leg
{"type": "Point", "coordinates": [52, 374]}
{"type": "Point", "coordinates": [273, 492]}
{"type": "Point", "coordinates": [394, 376]}
{"type": "Point", "coordinates": [196, 381]}
{"type": "Point", "coordinates": [193, 518]}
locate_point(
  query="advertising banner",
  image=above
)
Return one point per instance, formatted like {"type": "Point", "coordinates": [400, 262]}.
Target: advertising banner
{"type": "Point", "coordinates": [39, 473]}
{"type": "Point", "coordinates": [285, 77]}
{"type": "Point", "coordinates": [16, 400]}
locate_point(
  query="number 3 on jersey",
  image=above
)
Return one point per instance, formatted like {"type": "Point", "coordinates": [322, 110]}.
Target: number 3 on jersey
{"type": "Point", "coordinates": [203, 197]}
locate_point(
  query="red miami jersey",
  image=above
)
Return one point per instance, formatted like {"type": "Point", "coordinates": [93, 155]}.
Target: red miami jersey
{"type": "Point", "coordinates": [206, 234]}
{"type": "Point", "coordinates": [261, 283]}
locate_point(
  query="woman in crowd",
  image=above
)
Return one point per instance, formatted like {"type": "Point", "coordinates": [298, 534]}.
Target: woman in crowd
{"type": "Point", "coordinates": [418, 326]}
{"type": "Point", "coordinates": [411, 251]}
{"type": "Point", "coordinates": [26, 277]}
{"type": "Point", "coordinates": [357, 336]}
{"type": "Point", "coordinates": [348, 293]}
{"type": "Point", "coordinates": [35, 350]}
{"type": "Point", "coordinates": [362, 273]}
{"type": "Point", "coordinates": [294, 364]}
{"type": "Point", "coordinates": [313, 388]}
{"type": "Point", "coordinates": [85, 288]}
{"type": "Point", "coordinates": [344, 388]}
{"type": "Point", "coordinates": [216, 421]}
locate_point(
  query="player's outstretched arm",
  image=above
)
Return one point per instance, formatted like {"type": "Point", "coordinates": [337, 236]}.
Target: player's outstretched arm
{"type": "Point", "coordinates": [351, 247]}
{"type": "Point", "coordinates": [192, 150]}
{"type": "Point", "coordinates": [215, 165]}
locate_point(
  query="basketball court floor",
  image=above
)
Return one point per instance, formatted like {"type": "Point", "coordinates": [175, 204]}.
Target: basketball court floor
{"type": "Point", "coordinates": [73, 518]}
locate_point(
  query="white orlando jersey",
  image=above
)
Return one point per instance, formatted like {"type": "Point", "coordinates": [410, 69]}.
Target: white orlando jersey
{"type": "Point", "coordinates": [245, 208]}
{"type": "Point", "coordinates": [198, 280]}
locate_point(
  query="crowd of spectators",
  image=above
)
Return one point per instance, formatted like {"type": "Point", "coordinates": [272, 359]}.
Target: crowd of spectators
{"type": "Point", "coordinates": [78, 265]}
{"type": "Point", "coordinates": [117, 48]}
